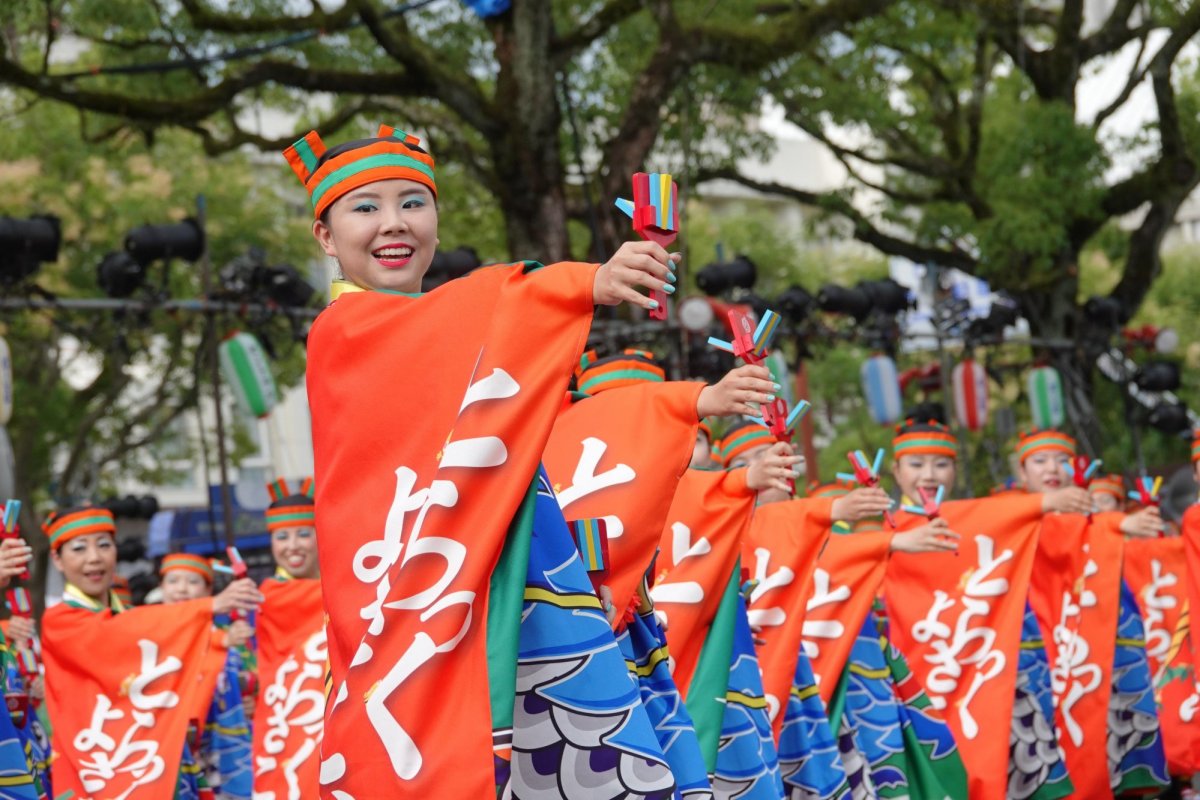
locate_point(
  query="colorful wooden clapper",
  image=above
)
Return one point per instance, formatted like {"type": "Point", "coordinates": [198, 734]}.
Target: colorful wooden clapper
{"type": "Point", "coordinates": [654, 211]}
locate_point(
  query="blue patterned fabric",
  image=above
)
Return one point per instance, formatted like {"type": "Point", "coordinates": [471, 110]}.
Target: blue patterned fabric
{"type": "Point", "coordinates": [225, 744]}
{"type": "Point", "coordinates": [16, 782]}
{"type": "Point", "coordinates": [188, 785]}
{"type": "Point", "coordinates": [579, 726]}
{"type": "Point", "coordinates": [1136, 760]}
{"type": "Point", "coordinates": [1037, 767]}
{"type": "Point", "coordinates": [872, 712]}
{"type": "Point", "coordinates": [809, 757]}
{"type": "Point", "coordinates": [644, 647]}
{"type": "Point", "coordinates": [747, 763]}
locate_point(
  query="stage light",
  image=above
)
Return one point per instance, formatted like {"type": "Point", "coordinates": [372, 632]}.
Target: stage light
{"type": "Point", "coordinates": [25, 244]}
{"type": "Point", "coordinates": [119, 275]}
{"type": "Point", "coordinates": [1106, 312]}
{"type": "Point", "coordinates": [448, 265]}
{"type": "Point", "coordinates": [286, 287]}
{"type": "Point", "coordinates": [796, 303]}
{"type": "Point", "coordinates": [1170, 418]}
{"type": "Point", "coordinates": [886, 295]}
{"type": "Point", "coordinates": [841, 300]}
{"type": "Point", "coordinates": [132, 507]}
{"type": "Point", "coordinates": [1001, 315]}
{"type": "Point", "coordinates": [1158, 376]}
{"type": "Point", "coordinates": [148, 243]}
{"type": "Point", "coordinates": [1167, 341]}
{"type": "Point", "coordinates": [720, 277]}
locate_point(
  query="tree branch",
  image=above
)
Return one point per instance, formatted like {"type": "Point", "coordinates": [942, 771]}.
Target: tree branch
{"type": "Point", "coordinates": [864, 230]}
{"type": "Point", "coordinates": [1114, 34]}
{"type": "Point", "coordinates": [455, 89]}
{"type": "Point", "coordinates": [567, 45]}
{"type": "Point", "coordinates": [206, 19]}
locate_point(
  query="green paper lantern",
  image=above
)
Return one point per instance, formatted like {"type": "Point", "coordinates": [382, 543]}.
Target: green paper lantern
{"type": "Point", "coordinates": [244, 367]}
{"type": "Point", "coordinates": [1045, 391]}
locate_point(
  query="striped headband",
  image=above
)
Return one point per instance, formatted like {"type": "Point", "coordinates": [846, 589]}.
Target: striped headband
{"type": "Point", "coordinates": [705, 428]}
{"type": "Point", "coordinates": [1196, 446]}
{"type": "Point", "coordinates": [291, 509]}
{"type": "Point", "coordinates": [627, 369]}
{"type": "Point", "coordinates": [924, 438]}
{"type": "Point", "coordinates": [187, 562]}
{"type": "Point", "coordinates": [329, 174]}
{"type": "Point", "coordinates": [1050, 440]}
{"type": "Point", "coordinates": [75, 522]}
{"type": "Point", "coordinates": [742, 438]}
{"type": "Point", "coordinates": [835, 489]}
{"type": "Point", "coordinates": [1109, 484]}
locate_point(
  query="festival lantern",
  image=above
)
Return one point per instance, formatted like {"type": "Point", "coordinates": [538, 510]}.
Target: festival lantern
{"type": "Point", "coordinates": [6, 383]}
{"type": "Point", "coordinates": [881, 387]}
{"type": "Point", "coordinates": [1045, 391]}
{"type": "Point", "coordinates": [970, 385]}
{"type": "Point", "coordinates": [244, 367]}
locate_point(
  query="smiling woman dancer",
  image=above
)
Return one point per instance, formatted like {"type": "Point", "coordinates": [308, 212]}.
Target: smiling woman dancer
{"type": "Point", "coordinates": [464, 637]}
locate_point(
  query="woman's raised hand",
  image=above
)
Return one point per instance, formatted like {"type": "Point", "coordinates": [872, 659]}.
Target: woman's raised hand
{"type": "Point", "coordinates": [644, 264]}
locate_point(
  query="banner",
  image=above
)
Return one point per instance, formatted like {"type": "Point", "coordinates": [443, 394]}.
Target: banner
{"type": "Point", "coordinates": [780, 551]}
{"type": "Point", "coordinates": [619, 456]}
{"type": "Point", "coordinates": [1156, 571]}
{"type": "Point", "coordinates": [289, 717]}
{"type": "Point", "coordinates": [1082, 664]}
{"type": "Point", "coordinates": [700, 544]}
{"type": "Point", "coordinates": [212, 665]}
{"type": "Point", "coordinates": [849, 574]}
{"type": "Point", "coordinates": [430, 415]}
{"type": "Point", "coordinates": [119, 690]}
{"type": "Point", "coordinates": [958, 619]}
{"type": "Point", "coordinates": [1178, 695]}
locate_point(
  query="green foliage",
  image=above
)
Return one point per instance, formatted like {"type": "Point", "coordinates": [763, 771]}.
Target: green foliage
{"type": "Point", "coordinates": [97, 392]}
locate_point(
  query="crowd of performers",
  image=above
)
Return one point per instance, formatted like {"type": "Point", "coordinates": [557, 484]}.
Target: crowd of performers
{"type": "Point", "coordinates": [541, 575]}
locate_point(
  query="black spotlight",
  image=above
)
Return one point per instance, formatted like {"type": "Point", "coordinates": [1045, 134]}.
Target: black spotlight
{"type": "Point", "coordinates": [285, 286]}
{"type": "Point", "coordinates": [1158, 376]}
{"type": "Point", "coordinates": [242, 276]}
{"type": "Point", "coordinates": [1002, 314]}
{"type": "Point", "coordinates": [148, 243]}
{"type": "Point", "coordinates": [886, 295]}
{"type": "Point", "coordinates": [1170, 418]}
{"type": "Point", "coordinates": [1106, 312]}
{"type": "Point", "coordinates": [450, 264]}
{"type": "Point", "coordinates": [132, 507]}
{"type": "Point", "coordinates": [27, 243]}
{"type": "Point", "coordinates": [796, 303]}
{"type": "Point", "coordinates": [119, 275]}
{"type": "Point", "coordinates": [720, 276]}
{"type": "Point", "coordinates": [842, 300]}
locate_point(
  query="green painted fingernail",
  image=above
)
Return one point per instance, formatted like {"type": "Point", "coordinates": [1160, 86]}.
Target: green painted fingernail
{"type": "Point", "coordinates": [653, 304]}
{"type": "Point", "coordinates": [669, 289]}
{"type": "Point", "coordinates": [671, 277]}
{"type": "Point", "coordinates": [777, 387]}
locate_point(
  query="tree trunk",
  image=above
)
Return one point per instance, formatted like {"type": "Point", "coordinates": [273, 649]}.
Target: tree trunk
{"type": "Point", "coordinates": [1054, 316]}
{"type": "Point", "coordinates": [526, 155]}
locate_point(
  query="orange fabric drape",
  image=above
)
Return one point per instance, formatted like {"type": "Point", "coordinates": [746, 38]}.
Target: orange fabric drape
{"type": "Point", "coordinates": [619, 456]}
{"type": "Point", "coordinates": [700, 544]}
{"type": "Point", "coordinates": [430, 416]}
{"type": "Point", "coordinates": [780, 552]}
{"type": "Point", "coordinates": [958, 620]}
{"type": "Point", "coordinates": [120, 689]}
{"type": "Point", "coordinates": [848, 579]}
{"type": "Point", "coordinates": [289, 717]}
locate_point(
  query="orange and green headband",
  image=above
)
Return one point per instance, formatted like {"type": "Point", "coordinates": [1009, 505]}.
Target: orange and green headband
{"type": "Point", "coordinates": [924, 439]}
{"type": "Point", "coordinates": [290, 509]}
{"type": "Point", "coordinates": [835, 489]}
{"type": "Point", "coordinates": [1196, 446]}
{"type": "Point", "coordinates": [73, 523]}
{"type": "Point", "coordinates": [187, 562]}
{"type": "Point", "coordinates": [742, 439]}
{"type": "Point", "coordinates": [329, 174]}
{"type": "Point", "coordinates": [1048, 441]}
{"type": "Point", "coordinates": [627, 369]}
{"type": "Point", "coordinates": [1109, 484]}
